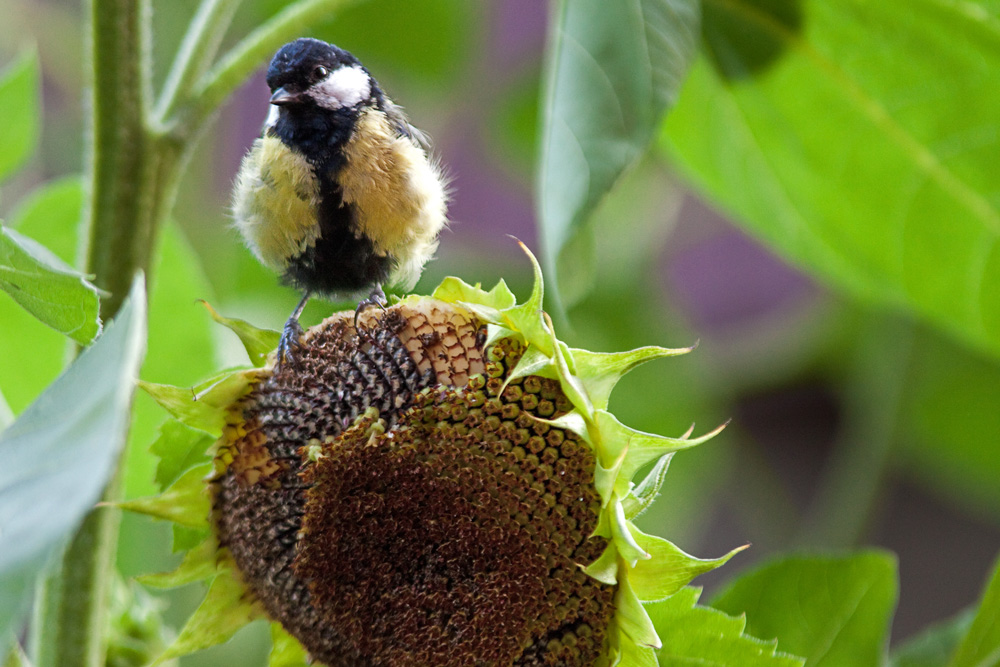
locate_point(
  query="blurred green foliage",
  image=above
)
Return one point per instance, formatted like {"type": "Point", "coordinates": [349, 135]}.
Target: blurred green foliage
{"type": "Point", "coordinates": [19, 96]}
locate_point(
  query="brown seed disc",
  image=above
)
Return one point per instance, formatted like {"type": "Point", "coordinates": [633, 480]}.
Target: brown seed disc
{"type": "Point", "coordinates": [447, 526]}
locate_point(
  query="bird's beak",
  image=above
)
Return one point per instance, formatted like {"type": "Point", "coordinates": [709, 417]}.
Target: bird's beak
{"type": "Point", "coordinates": [283, 98]}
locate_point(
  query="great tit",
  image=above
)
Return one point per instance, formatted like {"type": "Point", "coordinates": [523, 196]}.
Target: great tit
{"type": "Point", "coordinates": [339, 195]}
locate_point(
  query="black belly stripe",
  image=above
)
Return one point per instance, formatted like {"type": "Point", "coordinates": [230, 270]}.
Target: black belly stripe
{"type": "Point", "coordinates": [339, 264]}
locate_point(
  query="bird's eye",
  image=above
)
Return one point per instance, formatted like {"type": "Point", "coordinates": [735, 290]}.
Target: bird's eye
{"type": "Point", "coordinates": [320, 72]}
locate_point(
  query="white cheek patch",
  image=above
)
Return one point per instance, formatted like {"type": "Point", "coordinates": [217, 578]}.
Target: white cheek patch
{"type": "Point", "coordinates": [272, 116]}
{"type": "Point", "coordinates": [343, 87]}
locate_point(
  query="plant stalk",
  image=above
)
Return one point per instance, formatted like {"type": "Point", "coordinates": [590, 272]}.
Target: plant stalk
{"type": "Point", "coordinates": [71, 618]}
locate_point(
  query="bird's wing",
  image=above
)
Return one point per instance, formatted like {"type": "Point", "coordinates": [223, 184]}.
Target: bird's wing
{"type": "Point", "coordinates": [398, 118]}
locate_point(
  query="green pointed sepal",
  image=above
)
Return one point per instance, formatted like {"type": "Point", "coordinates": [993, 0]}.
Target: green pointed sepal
{"type": "Point", "coordinates": [189, 457]}
{"type": "Point", "coordinates": [633, 621]}
{"type": "Point", "coordinates": [668, 569]}
{"type": "Point", "coordinates": [179, 448]}
{"type": "Point", "coordinates": [642, 495]}
{"type": "Point", "coordinates": [185, 502]}
{"type": "Point", "coordinates": [486, 304]}
{"type": "Point", "coordinates": [630, 654]}
{"type": "Point", "coordinates": [601, 371]}
{"type": "Point", "coordinates": [624, 450]}
{"type": "Point", "coordinates": [259, 343]}
{"type": "Point", "coordinates": [207, 406]}
{"type": "Point", "coordinates": [227, 607]}
{"type": "Point", "coordinates": [286, 651]}
{"type": "Point", "coordinates": [199, 563]}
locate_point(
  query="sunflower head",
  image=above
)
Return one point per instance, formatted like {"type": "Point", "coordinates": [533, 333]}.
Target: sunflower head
{"type": "Point", "coordinates": [441, 486]}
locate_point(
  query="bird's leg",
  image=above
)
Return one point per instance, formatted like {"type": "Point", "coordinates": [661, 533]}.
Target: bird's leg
{"type": "Point", "coordinates": [290, 335]}
{"type": "Point", "coordinates": [376, 298]}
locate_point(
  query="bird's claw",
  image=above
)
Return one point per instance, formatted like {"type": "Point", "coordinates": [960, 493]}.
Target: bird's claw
{"type": "Point", "coordinates": [376, 298]}
{"type": "Point", "coordinates": [288, 343]}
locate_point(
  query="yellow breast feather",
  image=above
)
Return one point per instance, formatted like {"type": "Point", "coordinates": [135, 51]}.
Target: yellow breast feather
{"type": "Point", "coordinates": [398, 194]}
{"type": "Point", "coordinates": [275, 203]}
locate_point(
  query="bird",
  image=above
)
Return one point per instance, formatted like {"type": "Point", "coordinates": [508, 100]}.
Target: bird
{"type": "Point", "coordinates": [340, 195]}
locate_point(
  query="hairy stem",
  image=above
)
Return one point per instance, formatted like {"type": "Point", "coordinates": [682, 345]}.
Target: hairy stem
{"type": "Point", "coordinates": [71, 611]}
{"type": "Point", "coordinates": [117, 221]}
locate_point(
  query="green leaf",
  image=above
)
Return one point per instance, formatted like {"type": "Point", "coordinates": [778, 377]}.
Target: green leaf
{"type": "Point", "coordinates": [613, 69]}
{"type": "Point", "coordinates": [19, 112]}
{"type": "Point", "coordinates": [225, 609]}
{"type": "Point", "coordinates": [981, 646]}
{"type": "Point", "coordinates": [61, 451]}
{"type": "Point", "coordinates": [47, 287]}
{"type": "Point", "coordinates": [286, 651]}
{"type": "Point", "coordinates": [258, 342]}
{"type": "Point", "coordinates": [694, 635]}
{"type": "Point", "coordinates": [6, 415]}
{"type": "Point", "coordinates": [842, 134]}
{"type": "Point", "coordinates": [833, 611]}
{"type": "Point", "coordinates": [427, 36]}
{"type": "Point", "coordinates": [179, 449]}
{"type": "Point", "coordinates": [50, 215]}
{"type": "Point", "coordinates": [186, 501]}
{"type": "Point", "coordinates": [934, 646]}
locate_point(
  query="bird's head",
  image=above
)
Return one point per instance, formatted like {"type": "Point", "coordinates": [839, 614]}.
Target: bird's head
{"type": "Point", "coordinates": [309, 73]}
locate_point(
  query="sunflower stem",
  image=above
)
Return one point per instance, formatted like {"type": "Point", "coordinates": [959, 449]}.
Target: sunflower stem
{"type": "Point", "coordinates": [71, 615]}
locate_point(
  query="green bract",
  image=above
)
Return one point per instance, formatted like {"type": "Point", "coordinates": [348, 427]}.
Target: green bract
{"type": "Point", "coordinates": [512, 413]}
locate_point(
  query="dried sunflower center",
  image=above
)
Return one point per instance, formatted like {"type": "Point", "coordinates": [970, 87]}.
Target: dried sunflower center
{"type": "Point", "coordinates": [392, 502]}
